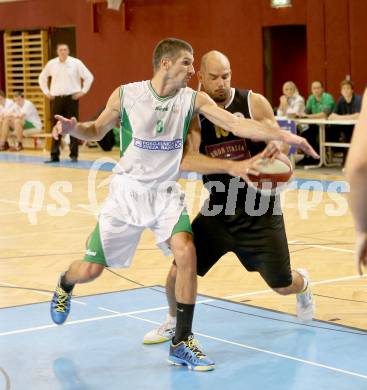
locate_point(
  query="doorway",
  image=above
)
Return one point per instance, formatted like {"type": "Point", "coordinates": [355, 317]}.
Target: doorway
{"type": "Point", "coordinates": [285, 58]}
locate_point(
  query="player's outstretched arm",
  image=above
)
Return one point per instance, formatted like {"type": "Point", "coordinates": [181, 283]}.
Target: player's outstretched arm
{"type": "Point", "coordinates": [96, 130]}
{"type": "Point", "coordinates": [248, 128]}
{"type": "Point", "coordinates": [262, 112]}
{"type": "Point", "coordinates": [195, 161]}
{"type": "Point", "coordinates": [356, 172]}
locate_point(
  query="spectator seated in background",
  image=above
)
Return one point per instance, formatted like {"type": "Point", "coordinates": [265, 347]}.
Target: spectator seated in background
{"type": "Point", "coordinates": [291, 102]}
{"type": "Point", "coordinates": [23, 118]}
{"type": "Point", "coordinates": [347, 107]}
{"type": "Point", "coordinates": [319, 105]}
{"type": "Point", "coordinates": [5, 107]}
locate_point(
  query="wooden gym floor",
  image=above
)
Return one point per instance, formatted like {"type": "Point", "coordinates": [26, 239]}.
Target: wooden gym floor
{"type": "Point", "coordinates": [39, 239]}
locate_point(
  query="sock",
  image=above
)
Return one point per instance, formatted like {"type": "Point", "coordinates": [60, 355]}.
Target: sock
{"type": "Point", "coordinates": [67, 287]}
{"type": "Point", "coordinates": [185, 314]}
{"type": "Point", "coordinates": [171, 319]}
{"type": "Point", "coordinates": [305, 285]}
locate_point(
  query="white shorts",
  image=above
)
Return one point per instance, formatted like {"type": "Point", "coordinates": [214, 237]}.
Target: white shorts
{"type": "Point", "coordinates": [127, 211]}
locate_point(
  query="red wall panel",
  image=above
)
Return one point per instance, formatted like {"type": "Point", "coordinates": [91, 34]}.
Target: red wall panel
{"type": "Point", "coordinates": [116, 56]}
{"type": "Point", "coordinates": [337, 44]}
{"type": "Point", "coordinates": [288, 59]}
{"type": "Point", "coordinates": [34, 14]}
{"type": "Point", "coordinates": [358, 45]}
{"type": "Point", "coordinates": [316, 57]}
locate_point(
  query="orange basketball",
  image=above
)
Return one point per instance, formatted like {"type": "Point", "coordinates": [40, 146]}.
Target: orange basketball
{"type": "Point", "coordinates": [274, 174]}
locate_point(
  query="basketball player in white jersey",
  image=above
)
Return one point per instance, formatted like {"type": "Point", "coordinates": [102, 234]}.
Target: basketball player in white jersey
{"type": "Point", "coordinates": [155, 116]}
{"type": "Point", "coordinates": [356, 171]}
{"type": "Point", "coordinates": [259, 241]}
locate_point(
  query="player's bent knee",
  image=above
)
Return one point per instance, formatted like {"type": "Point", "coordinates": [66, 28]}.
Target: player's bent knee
{"type": "Point", "coordinates": [90, 271]}
{"type": "Point", "coordinates": [187, 251]}
{"type": "Point", "coordinates": [186, 255]}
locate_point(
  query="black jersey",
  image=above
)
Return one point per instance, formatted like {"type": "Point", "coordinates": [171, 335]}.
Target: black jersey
{"type": "Point", "coordinates": [218, 143]}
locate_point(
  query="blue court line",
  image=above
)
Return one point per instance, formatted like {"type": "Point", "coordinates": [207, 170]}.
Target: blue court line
{"type": "Point", "coordinates": [100, 348]}
{"type": "Point", "coordinates": [36, 160]}
{"type": "Point", "coordinates": [338, 186]}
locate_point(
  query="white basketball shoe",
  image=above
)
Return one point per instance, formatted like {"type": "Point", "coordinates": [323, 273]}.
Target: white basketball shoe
{"type": "Point", "coordinates": [305, 301]}
{"type": "Point", "coordinates": [163, 333]}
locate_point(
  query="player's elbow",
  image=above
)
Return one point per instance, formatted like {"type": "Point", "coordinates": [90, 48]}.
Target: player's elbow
{"type": "Point", "coordinates": [187, 162]}
{"type": "Point", "coordinates": [96, 133]}
{"type": "Point", "coordinates": [97, 137]}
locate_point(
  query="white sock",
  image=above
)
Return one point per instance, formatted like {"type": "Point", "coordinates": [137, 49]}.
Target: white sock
{"type": "Point", "coordinates": [171, 319]}
{"type": "Point", "coordinates": [305, 284]}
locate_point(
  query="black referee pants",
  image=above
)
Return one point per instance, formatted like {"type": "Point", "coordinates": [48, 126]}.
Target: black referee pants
{"type": "Point", "coordinates": [67, 107]}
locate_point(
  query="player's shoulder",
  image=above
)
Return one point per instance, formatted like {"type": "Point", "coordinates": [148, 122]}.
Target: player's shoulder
{"type": "Point", "coordinates": [188, 91]}
{"type": "Point", "coordinates": [239, 96]}
{"type": "Point", "coordinates": [136, 86]}
{"type": "Point", "coordinates": [256, 98]}
{"type": "Point", "coordinates": [186, 94]}
{"type": "Point", "coordinates": [202, 96]}
{"type": "Point", "coordinates": [242, 91]}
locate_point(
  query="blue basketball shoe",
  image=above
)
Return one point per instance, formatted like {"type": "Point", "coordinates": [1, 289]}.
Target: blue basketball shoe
{"type": "Point", "coordinates": [188, 353]}
{"type": "Point", "coordinates": [60, 305]}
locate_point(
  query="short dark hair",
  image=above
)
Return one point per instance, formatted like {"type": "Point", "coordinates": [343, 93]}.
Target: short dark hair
{"type": "Point", "coordinates": [2, 93]}
{"type": "Point", "coordinates": [18, 93]}
{"type": "Point", "coordinates": [62, 44]}
{"type": "Point", "coordinates": [170, 48]}
{"type": "Point", "coordinates": [318, 81]}
{"type": "Point", "coordinates": [347, 82]}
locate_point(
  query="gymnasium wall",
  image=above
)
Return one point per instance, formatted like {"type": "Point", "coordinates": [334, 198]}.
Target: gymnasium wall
{"type": "Point", "coordinates": [121, 51]}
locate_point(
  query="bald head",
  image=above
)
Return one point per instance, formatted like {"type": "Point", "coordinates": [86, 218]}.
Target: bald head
{"type": "Point", "coordinates": [214, 58]}
{"type": "Point", "coordinates": [215, 76]}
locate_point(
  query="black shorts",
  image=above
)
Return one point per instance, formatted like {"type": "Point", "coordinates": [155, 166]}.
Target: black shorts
{"type": "Point", "coordinates": [260, 243]}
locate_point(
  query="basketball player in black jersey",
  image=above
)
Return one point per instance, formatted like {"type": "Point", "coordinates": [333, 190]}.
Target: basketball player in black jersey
{"type": "Point", "coordinates": [259, 241]}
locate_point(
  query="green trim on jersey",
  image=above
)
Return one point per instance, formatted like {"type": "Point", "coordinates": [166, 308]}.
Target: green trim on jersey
{"type": "Point", "coordinates": [95, 253]}
{"type": "Point", "coordinates": [154, 93]}
{"type": "Point", "coordinates": [183, 224]}
{"type": "Point", "coordinates": [189, 116]}
{"type": "Point", "coordinates": [126, 133]}
{"type": "Point", "coordinates": [126, 130]}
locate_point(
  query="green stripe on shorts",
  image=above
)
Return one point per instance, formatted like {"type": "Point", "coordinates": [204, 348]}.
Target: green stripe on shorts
{"type": "Point", "coordinates": [183, 224]}
{"type": "Point", "coordinates": [28, 125]}
{"type": "Point", "coordinates": [94, 252]}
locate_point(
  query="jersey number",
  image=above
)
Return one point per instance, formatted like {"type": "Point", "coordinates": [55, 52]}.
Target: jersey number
{"type": "Point", "coordinates": [219, 132]}
{"type": "Point", "coordinates": [159, 126]}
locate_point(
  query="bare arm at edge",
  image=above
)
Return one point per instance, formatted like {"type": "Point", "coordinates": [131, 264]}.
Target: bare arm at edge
{"type": "Point", "coordinates": [95, 130]}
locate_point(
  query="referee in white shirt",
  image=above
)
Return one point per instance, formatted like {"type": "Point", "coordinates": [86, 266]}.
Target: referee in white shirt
{"type": "Point", "coordinates": [70, 80]}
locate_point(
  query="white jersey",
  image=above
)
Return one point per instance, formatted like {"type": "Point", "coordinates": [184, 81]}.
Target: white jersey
{"type": "Point", "coordinates": [7, 107]}
{"type": "Point", "coordinates": [31, 114]}
{"type": "Point", "coordinates": [152, 132]}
